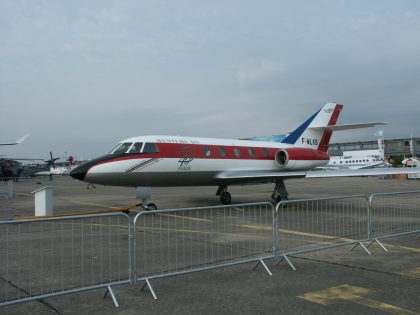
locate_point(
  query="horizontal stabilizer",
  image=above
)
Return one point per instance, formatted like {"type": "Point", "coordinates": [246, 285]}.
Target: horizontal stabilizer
{"type": "Point", "coordinates": [349, 126]}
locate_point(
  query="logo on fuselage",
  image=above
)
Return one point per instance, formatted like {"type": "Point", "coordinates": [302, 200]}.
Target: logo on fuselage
{"type": "Point", "coordinates": [185, 163]}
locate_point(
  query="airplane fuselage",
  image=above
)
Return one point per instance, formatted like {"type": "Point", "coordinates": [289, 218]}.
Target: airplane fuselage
{"type": "Point", "coordinates": [163, 161]}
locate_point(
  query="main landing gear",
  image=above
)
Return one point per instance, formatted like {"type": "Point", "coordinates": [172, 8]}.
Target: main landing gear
{"type": "Point", "coordinates": [280, 192]}
{"type": "Point", "coordinates": [225, 196]}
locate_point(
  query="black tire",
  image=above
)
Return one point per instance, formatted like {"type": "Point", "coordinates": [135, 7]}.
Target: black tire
{"type": "Point", "coordinates": [151, 207]}
{"type": "Point", "coordinates": [225, 198]}
{"type": "Point", "coordinates": [280, 199]}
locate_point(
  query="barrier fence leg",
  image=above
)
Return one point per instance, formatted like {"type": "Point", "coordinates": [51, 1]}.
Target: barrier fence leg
{"type": "Point", "coordinates": [147, 283]}
{"type": "Point", "coordinates": [284, 256]}
{"type": "Point", "coordinates": [363, 246]}
{"type": "Point", "coordinates": [260, 261]}
{"type": "Point", "coordinates": [379, 243]}
{"type": "Point", "coordinates": [114, 299]}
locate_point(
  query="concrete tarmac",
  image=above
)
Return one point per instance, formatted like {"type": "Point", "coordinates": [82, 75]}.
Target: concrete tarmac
{"type": "Point", "coordinates": [328, 282]}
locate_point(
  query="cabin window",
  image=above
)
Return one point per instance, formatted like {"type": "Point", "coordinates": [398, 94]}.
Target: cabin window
{"type": "Point", "coordinates": [265, 152]}
{"type": "Point", "coordinates": [136, 147]}
{"type": "Point", "coordinates": [150, 148]}
{"type": "Point", "coordinates": [206, 151]}
{"type": "Point", "coordinates": [251, 152]}
{"type": "Point", "coordinates": [237, 152]}
{"type": "Point", "coordinates": [222, 152]}
{"type": "Point", "coordinates": [122, 148]}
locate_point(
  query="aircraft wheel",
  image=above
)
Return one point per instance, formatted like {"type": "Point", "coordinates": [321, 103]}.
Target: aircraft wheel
{"type": "Point", "coordinates": [151, 207]}
{"type": "Point", "coordinates": [280, 199]}
{"type": "Point", "coordinates": [225, 198]}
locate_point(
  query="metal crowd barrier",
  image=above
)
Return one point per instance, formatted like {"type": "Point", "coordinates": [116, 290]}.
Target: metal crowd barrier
{"type": "Point", "coordinates": [178, 241]}
{"type": "Point", "coordinates": [41, 258]}
{"type": "Point", "coordinates": [316, 224]}
{"type": "Point", "coordinates": [394, 214]}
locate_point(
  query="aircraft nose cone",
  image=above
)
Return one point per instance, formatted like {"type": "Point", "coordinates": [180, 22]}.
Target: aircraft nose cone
{"type": "Point", "coordinates": [79, 172]}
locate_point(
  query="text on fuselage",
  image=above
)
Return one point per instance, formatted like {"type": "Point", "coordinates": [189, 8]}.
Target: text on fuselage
{"type": "Point", "coordinates": [309, 141]}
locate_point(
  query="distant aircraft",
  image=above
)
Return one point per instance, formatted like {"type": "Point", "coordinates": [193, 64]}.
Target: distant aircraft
{"type": "Point", "coordinates": [17, 142]}
{"type": "Point", "coordinates": [164, 161]}
{"type": "Point", "coordinates": [65, 169]}
{"type": "Point", "coordinates": [355, 160]}
{"type": "Point", "coordinates": [11, 167]}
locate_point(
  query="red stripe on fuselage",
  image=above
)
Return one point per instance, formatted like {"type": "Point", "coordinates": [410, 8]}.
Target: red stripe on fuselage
{"type": "Point", "coordinates": [323, 146]}
{"type": "Point", "coordinates": [198, 151]}
{"type": "Point", "coordinates": [306, 154]}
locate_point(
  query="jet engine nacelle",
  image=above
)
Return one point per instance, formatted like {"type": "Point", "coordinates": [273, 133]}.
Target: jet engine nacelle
{"type": "Point", "coordinates": [300, 158]}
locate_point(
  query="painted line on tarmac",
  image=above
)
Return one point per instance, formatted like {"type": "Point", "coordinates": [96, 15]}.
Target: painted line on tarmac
{"type": "Point", "coordinates": [414, 273]}
{"type": "Point", "coordinates": [352, 294]}
{"type": "Point", "coordinates": [267, 228]}
{"type": "Point", "coordinates": [88, 203]}
{"type": "Point", "coordinates": [403, 248]}
{"type": "Point", "coordinates": [145, 228]}
{"type": "Point", "coordinates": [184, 217]}
{"type": "Point", "coordinates": [75, 201]}
{"type": "Point", "coordinates": [104, 225]}
{"type": "Point", "coordinates": [298, 233]}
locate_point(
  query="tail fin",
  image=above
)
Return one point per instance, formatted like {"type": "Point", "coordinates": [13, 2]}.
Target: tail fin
{"type": "Point", "coordinates": [314, 132]}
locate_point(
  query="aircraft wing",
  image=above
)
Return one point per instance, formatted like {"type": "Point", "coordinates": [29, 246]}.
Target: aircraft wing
{"type": "Point", "coordinates": [17, 142]}
{"type": "Point", "coordinates": [238, 177]}
{"type": "Point", "coordinates": [367, 166]}
{"type": "Point", "coordinates": [261, 176]}
{"type": "Point", "coordinates": [363, 172]}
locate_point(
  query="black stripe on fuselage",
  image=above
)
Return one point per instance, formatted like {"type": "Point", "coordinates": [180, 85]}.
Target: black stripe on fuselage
{"type": "Point", "coordinates": [141, 165]}
{"type": "Point", "coordinates": [81, 171]}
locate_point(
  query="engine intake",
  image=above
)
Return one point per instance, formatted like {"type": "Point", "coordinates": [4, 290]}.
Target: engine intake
{"type": "Point", "coordinates": [282, 158]}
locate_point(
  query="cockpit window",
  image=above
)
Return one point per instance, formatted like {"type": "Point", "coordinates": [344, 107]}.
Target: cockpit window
{"type": "Point", "coordinates": [114, 148]}
{"type": "Point", "coordinates": [122, 148]}
{"type": "Point", "coordinates": [136, 147]}
{"type": "Point", "coordinates": [150, 148]}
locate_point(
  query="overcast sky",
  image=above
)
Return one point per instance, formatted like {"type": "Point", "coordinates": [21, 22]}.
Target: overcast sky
{"type": "Point", "coordinates": [80, 75]}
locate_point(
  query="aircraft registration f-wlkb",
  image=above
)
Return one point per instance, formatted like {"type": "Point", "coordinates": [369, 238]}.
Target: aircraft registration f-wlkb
{"type": "Point", "coordinates": [165, 161]}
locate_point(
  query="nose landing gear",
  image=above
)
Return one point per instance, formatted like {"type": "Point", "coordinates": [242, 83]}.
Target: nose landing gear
{"type": "Point", "coordinates": [144, 193]}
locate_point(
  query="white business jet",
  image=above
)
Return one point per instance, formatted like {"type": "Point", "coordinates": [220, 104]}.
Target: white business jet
{"type": "Point", "coordinates": [165, 161]}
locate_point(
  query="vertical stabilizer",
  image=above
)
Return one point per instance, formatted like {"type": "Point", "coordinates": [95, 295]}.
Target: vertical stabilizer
{"type": "Point", "coordinates": [314, 132]}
